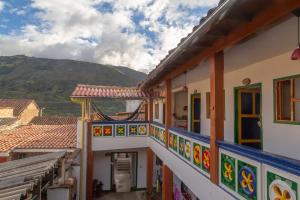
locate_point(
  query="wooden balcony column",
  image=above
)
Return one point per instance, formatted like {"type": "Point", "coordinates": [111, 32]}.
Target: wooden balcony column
{"type": "Point", "coordinates": [150, 158]}
{"type": "Point", "coordinates": [90, 164]}
{"type": "Point", "coordinates": [167, 183]}
{"type": "Point", "coordinates": [168, 103]}
{"type": "Point", "coordinates": [150, 110]}
{"type": "Point", "coordinates": [216, 71]}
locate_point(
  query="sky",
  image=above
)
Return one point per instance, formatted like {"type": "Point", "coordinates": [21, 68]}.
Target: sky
{"type": "Point", "coordinates": [131, 33]}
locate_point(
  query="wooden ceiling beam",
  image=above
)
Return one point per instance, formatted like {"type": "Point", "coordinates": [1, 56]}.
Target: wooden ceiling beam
{"type": "Point", "coordinates": [275, 11]}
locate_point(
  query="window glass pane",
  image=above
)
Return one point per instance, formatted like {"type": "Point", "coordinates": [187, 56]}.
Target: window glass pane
{"type": "Point", "coordinates": [196, 127]}
{"type": "Point", "coordinates": [250, 128]}
{"type": "Point", "coordinates": [196, 108]}
{"type": "Point", "coordinates": [246, 103]}
{"type": "Point", "coordinates": [257, 103]}
{"type": "Point", "coordinates": [286, 99]}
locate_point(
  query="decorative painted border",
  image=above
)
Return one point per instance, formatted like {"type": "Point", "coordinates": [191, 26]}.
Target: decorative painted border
{"type": "Point", "coordinates": [194, 152]}
{"type": "Point", "coordinates": [120, 130]}
{"type": "Point", "coordinates": [159, 134]}
{"type": "Point", "coordinates": [240, 176]}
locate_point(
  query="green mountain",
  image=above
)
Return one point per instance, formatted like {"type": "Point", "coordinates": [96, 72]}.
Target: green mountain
{"type": "Point", "coordinates": [50, 81]}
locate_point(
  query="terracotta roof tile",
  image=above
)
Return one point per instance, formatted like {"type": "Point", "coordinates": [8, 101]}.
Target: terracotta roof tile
{"type": "Point", "coordinates": [53, 120]}
{"type": "Point", "coordinates": [39, 137]}
{"type": "Point", "coordinates": [18, 105]}
{"type": "Point", "coordinates": [108, 92]}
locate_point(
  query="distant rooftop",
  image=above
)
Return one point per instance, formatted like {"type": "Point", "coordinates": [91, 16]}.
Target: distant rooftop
{"type": "Point", "coordinates": [39, 137]}
{"type": "Point", "coordinates": [18, 105]}
{"type": "Point", "coordinates": [53, 120]}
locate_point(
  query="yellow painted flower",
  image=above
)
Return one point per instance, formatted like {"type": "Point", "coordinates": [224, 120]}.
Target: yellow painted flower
{"type": "Point", "coordinates": [247, 181]}
{"type": "Point", "coordinates": [197, 154]}
{"type": "Point", "coordinates": [228, 171]}
{"type": "Point", "coordinates": [281, 195]}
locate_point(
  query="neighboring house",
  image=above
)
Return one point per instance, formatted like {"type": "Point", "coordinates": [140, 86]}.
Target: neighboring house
{"type": "Point", "coordinates": [16, 112]}
{"type": "Point", "coordinates": [30, 140]}
{"type": "Point", "coordinates": [53, 120]}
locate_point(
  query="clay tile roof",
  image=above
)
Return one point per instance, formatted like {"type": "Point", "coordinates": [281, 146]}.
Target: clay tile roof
{"type": "Point", "coordinates": [18, 105]}
{"type": "Point", "coordinates": [39, 137]}
{"type": "Point", "coordinates": [108, 92]}
{"type": "Point", "coordinates": [53, 120]}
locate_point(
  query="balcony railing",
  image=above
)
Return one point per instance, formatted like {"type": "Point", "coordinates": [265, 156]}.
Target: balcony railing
{"type": "Point", "coordinates": [120, 129]}
{"type": "Point", "coordinates": [244, 172]}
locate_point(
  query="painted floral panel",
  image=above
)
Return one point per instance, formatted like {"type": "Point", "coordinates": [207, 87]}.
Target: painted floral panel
{"type": "Point", "coordinates": [120, 130]}
{"type": "Point", "coordinates": [97, 131]}
{"type": "Point", "coordinates": [279, 187]}
{"type": "Point", "coordinates": [228, 171]}
{"type": "Point", "coordinates": [197, 155]}
{"type": "Point", "coordinates": [247, 180]}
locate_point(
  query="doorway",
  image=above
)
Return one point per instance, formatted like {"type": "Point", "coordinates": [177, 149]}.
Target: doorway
{"type": "Point", "coordinates": [196, 113]}
{"type": "Point", "coordinates": [248, 116]}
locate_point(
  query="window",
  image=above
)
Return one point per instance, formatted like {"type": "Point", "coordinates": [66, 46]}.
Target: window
{"type": "Point", "coordinates": [208, 105]}
{"type": "Point", "coordinates": [287, 99]}
{"type": "Point", "coordinates": [156, 111]}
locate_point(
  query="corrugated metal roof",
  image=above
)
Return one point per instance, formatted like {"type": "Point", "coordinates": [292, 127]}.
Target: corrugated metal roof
{"type": "Point", "coordinates": [18, 177]}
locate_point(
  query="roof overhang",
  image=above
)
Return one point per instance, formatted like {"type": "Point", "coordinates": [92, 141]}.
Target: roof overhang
{"type": "Point", "coordinates": [224, 26]}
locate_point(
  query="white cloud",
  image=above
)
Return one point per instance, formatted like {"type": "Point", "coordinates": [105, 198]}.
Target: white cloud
{"type": "Point", "coordinates": [77, 30]}
{"type": "Point", "coordinates": [1, 5]}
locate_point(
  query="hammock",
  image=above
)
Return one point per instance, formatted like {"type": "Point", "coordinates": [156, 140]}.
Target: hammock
{"type": "Point", "coordinates": [132, 117]}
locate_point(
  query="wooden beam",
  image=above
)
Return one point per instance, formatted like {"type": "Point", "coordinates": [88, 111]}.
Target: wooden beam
{"type": "Point", "coordinates": [167, 183]}
{"type": "Point", "coordinates": [168, 103]}
{"type": "Point", "coordinates": [146, 110]}
{"type": "Point", "coordinates": [90, 164]}
{"type": "Point", "coordinates": [216, 70]}
{"type": "Point", "coordinates": [150, 158]}
{"type": "Point", "coordinates": [275, 11]}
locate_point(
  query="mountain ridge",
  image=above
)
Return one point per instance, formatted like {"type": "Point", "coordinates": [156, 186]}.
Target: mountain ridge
{"type": "Point", "coordinates": [51, 81]}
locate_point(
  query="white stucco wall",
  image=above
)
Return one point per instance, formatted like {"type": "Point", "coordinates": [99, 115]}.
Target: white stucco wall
{"type": "Point", "coordinates": [161, 109]}
{"type": "Point", "coordinates": [114, 143]}
{"type": "Point", "coordinates": [132, 105]}
{"type": "Point", "coordinates": [262, 59]}
{"type": "Point", "coordinates": [102, 167]}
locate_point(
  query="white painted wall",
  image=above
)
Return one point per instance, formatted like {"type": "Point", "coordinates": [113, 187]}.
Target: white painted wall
{"type": "Point", "coordinates": [102, 167]}
{"type": "Point", "coordinates": [132, 105]}
{"type": "Point", "coordinates": [262, 59]}
{"type": "Point", "coordinates": [201, 186]}
{"type": "Point", "coordinates": [102, 170]}
{"type": "Point", "coordinates": [161, 108]}
{"type": "Point", "coordinates": [115, 143]}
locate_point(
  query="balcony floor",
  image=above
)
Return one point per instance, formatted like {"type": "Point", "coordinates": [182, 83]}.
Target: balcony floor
{"type": "Point", "coordinates": [139, 195]}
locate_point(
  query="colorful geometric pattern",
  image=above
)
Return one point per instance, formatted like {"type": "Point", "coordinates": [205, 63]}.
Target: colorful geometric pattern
{"type": "Point", "coordinates": [280, 188]}
{"type": "Point", "coordinates": [247, 180]}
{"type": "Point", "coordinates": [97, 131]}
{"type": "Point", "coordinates": [107, 130]}
{"type": "Point", "coordinates": [205, 159]}
{"type": "Point", "coordinates": [187, 149]}
{"type": "Point", "coordinates": [181, 146]}
{"type": "Point", "coordinates": [197, 155]}
{"type": "Point", "coordinates": [132, 130]}
{"type": "Point", "coordinates": [142, 129]}
{"type": "Point", "coordinates": [171, 140]}
{"type": "Point", "coordinates": [175, 143]}
{"type": "Point", "coordinates": [120, 130]}
{"type": "Point", "coordinates": [228, 171]}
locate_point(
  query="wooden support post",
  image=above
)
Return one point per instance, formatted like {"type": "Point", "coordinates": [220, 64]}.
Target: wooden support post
{"type": "Point", "coordinates": [168, 103]}
{"type": "Point", "coordinates": [167, 183]}
{"type": "Point", "coordinates": [216, 70]}
{"type": "Point", "coordinates": [150, 112]}
{"type": "Point", "coordinates": [146, 110]}
{"type": "Point", "coordinates": [63, 171]}
{"type": "Point", "coordinates": [90, 164]}
{"type": "Point", "coordinates": [150, 158]}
